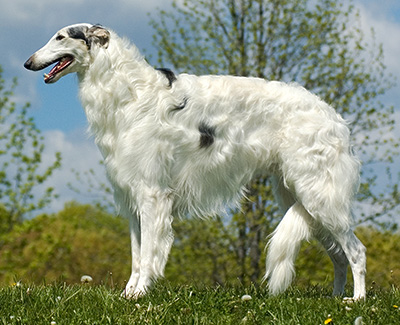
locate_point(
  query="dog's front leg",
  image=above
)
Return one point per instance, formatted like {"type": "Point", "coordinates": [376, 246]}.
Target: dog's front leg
{"type": "Point", "coordinates": [155, 209]}
{"type": "Point", "coordinates": [134, 224]}
{"type": "Point", "coordinates": [124, 207]}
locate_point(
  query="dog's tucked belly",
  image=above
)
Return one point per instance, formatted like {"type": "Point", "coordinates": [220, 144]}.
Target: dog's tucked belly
{"type": "Point", "coordinates": [210, 180]}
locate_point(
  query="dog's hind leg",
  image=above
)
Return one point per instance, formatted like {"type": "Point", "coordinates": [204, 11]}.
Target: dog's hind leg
{"type": "Point", "coordinates": [282, 195]}
{"type": "Point", "coordinates": [327, 195]}
{"type": "Point", "coordinates": [284, 246]}
{"type": "Point", "coordinates": [334, 250]}
{"type": "Point", "coordinates": [338, 258]}
{"type": "Point", "coordinates": [348, 246]}
{"type": "Point", "coordinates": [156, 238]}
{"type": "Point", "coordinates": [356, 254]}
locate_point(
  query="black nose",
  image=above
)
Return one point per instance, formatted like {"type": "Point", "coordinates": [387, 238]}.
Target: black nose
{"type": "Point", "coordinates": [28, 64]}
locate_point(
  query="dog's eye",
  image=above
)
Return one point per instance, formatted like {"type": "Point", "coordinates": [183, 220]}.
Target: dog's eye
{"type": "Point", "coordinates": [59, 37]}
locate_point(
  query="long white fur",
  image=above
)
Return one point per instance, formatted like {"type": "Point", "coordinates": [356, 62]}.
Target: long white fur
{"type": "Point", "coordinates": [148, 130]}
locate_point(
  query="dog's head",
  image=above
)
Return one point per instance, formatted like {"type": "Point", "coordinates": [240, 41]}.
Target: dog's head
{"type": "Point", "coordinates": [70, 49]}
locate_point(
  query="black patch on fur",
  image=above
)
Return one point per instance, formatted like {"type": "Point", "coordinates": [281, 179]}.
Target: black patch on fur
{"type": "Point", "coordinates": [77, 33]}
{"type": "Point", "coordinates": [207, 135]}
{"type": "Point", "coordinates": [181, 106]}
{"type": "Point", "coordinates": [169, 74]}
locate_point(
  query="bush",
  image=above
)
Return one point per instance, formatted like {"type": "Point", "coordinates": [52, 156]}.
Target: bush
{"type": "Point", "coordinates": [78, 240]}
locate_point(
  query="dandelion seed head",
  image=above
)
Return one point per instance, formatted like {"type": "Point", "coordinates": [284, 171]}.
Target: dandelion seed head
{"type": "Point", "coordinates": [358, 321]}
{"type": "Point", "coordinates": [246, 297]}
{"type": "Point", "coordinates": [86, 279]}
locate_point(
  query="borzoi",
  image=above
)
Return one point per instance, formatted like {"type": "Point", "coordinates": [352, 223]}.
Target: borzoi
{"type": "Point", "coordinates": [183, 144]}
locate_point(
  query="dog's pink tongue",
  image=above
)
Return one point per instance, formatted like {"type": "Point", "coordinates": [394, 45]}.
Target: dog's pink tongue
{"type": "Point", "coordinates": [57, 68]}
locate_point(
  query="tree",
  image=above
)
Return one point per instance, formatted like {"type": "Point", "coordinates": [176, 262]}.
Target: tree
{"type": "Point", "coordinates": [319, 45]}
{"type": "Point", "coordinates": [21, 168]}
{"type": "Point", "coordinates": [91, 186]}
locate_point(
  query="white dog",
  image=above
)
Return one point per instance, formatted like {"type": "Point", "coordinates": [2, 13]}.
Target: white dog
{"type": "Point", "coordinates": [177, 145]}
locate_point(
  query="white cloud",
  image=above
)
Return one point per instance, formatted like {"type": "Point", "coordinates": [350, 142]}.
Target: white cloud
{"type": "Point", "coordinates": [387, 33]}
{"type": "Point", "coordinates": [78, 153]}
{"type": "Point", "coordinates": [27, 11]}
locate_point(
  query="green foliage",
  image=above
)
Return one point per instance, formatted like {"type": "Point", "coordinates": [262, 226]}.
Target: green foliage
{"type": "Point", "coordinates": [61, 304]}
{"type": "Point", "coordinates": [205, 256]}
{"type": "Point", "coordinates": [4, 217]}
{"type": "Point", "coordinates": [383, 257]}
{"type": "Point", "coordinates": [78, 240]}
{"type": "Point", "coordinates": [21, 167]}
{"type": "Point", "coordinates": [91, 186]}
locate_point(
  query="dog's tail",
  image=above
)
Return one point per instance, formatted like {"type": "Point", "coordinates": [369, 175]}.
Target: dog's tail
{"type": "Point", "coordinates": [284, 246]}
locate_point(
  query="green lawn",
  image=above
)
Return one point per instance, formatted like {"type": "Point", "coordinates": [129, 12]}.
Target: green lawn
{"type": "Point", "coordinates": [63, 304]}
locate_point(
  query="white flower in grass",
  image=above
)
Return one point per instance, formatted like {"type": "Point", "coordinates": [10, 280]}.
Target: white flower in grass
{"type": "Point", "coordinates": [246, 297]}
{"type": "Point", "coordinates": [86, 279]}
{"type": "Point", "coordinates": [358, 321]}
{"type": "Point", "coordinates": [17, 284]}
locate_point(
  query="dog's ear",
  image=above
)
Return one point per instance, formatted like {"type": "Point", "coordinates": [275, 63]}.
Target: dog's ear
{"type": "Point", "coordinates": [98, 35]}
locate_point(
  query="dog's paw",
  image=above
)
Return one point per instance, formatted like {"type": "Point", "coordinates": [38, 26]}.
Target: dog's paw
{"type": "Point", "coordinates": [128, 292]}
{"type": "Point", "coordinates": [132, 293]}
{"type": "Point", "coordinates": [350, 300]}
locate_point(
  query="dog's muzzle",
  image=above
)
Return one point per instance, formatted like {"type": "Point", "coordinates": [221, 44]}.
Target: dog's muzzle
{"type": "Point", "coordinates": [30, 64]}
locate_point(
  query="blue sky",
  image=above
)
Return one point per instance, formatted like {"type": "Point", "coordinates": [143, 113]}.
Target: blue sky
{"type": "Point", "coordinates": [26, 25]}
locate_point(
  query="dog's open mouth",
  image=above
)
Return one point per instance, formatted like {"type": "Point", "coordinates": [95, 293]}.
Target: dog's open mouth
{"type": "Point", "coordinates": [60, 66]}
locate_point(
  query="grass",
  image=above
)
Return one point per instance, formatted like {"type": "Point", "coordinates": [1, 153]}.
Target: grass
{"type": "Point", "coordinates": [86, 304]}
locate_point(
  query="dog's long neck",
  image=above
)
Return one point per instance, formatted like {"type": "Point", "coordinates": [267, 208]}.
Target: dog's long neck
{"type": "Point", "coordinates": [113, 84]}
